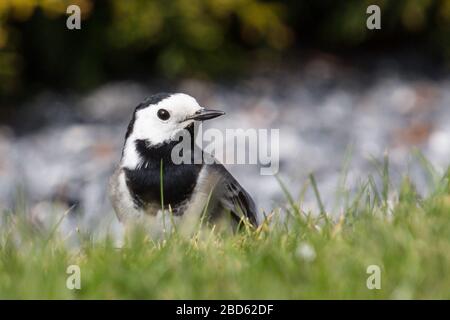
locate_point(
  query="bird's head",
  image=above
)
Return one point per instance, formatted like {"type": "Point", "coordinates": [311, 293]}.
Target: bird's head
{"type": "Point", "coordinates": [160, 118]}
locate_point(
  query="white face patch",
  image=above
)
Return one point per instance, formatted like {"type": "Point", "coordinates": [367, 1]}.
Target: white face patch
{"type": "Point", "coordinates": [148, 126]}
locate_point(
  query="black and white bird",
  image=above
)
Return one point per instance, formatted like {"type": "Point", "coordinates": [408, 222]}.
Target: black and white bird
{"type": "Point", "coordinates": [189, 190]}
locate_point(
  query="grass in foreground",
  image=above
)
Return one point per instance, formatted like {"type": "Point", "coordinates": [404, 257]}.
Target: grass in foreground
{"type": "Point", "coordinates": [302, 258]}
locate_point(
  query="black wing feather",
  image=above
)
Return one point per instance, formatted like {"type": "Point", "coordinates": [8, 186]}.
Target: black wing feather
{"type": "Point", "coordinates": [234, 197]}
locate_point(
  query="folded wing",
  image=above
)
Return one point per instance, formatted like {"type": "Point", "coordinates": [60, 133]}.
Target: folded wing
{"type": "Point", "coordinates": [233, 197]}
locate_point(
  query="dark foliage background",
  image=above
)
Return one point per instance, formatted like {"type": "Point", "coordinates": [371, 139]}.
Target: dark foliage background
{"type": "Point", "coordinates": [208, 39]}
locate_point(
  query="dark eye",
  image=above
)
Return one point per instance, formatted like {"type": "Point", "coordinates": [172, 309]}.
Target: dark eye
{"type": "Point", "coordinates": [163, 114]}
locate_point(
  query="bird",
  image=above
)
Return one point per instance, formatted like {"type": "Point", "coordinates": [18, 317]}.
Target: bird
{"type": "Point", "coordinates": [148, 184]}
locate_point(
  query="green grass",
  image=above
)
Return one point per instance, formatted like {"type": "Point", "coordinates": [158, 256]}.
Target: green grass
{"type": "Point", "coordinates": [306, 257]}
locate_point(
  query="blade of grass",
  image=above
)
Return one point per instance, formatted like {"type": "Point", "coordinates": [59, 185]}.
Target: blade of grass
{"type": "Point", "coordinates": [205, 210]}
{"type": "Point", "coordinates": [288, 195]}
{"type": "Point", "coordinates": [316, 193]}
{"type": "Point", "coordinates": [385, 178]}
{"type": "Point", "coordinates": [373, 186]}
{"type": "Point", "coordinates": [57, 224]}
{"type": "Point", "coordinates": [432, 174]}
{"type": "Point", "coordinates": [161, 180]}
{"type": "Point", "coordinates": [342, 181]}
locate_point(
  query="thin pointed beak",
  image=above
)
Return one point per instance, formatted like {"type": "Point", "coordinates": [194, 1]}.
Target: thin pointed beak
{"type": "Point", "coordinates": [205, 114]}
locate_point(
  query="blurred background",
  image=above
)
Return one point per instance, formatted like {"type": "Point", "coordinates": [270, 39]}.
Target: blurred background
{"type": "Point", "coordinates": [341, 95]}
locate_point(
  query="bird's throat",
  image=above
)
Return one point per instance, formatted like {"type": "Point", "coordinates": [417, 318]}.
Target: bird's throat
{"type": "Point", "coordinates": [144, 180]}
